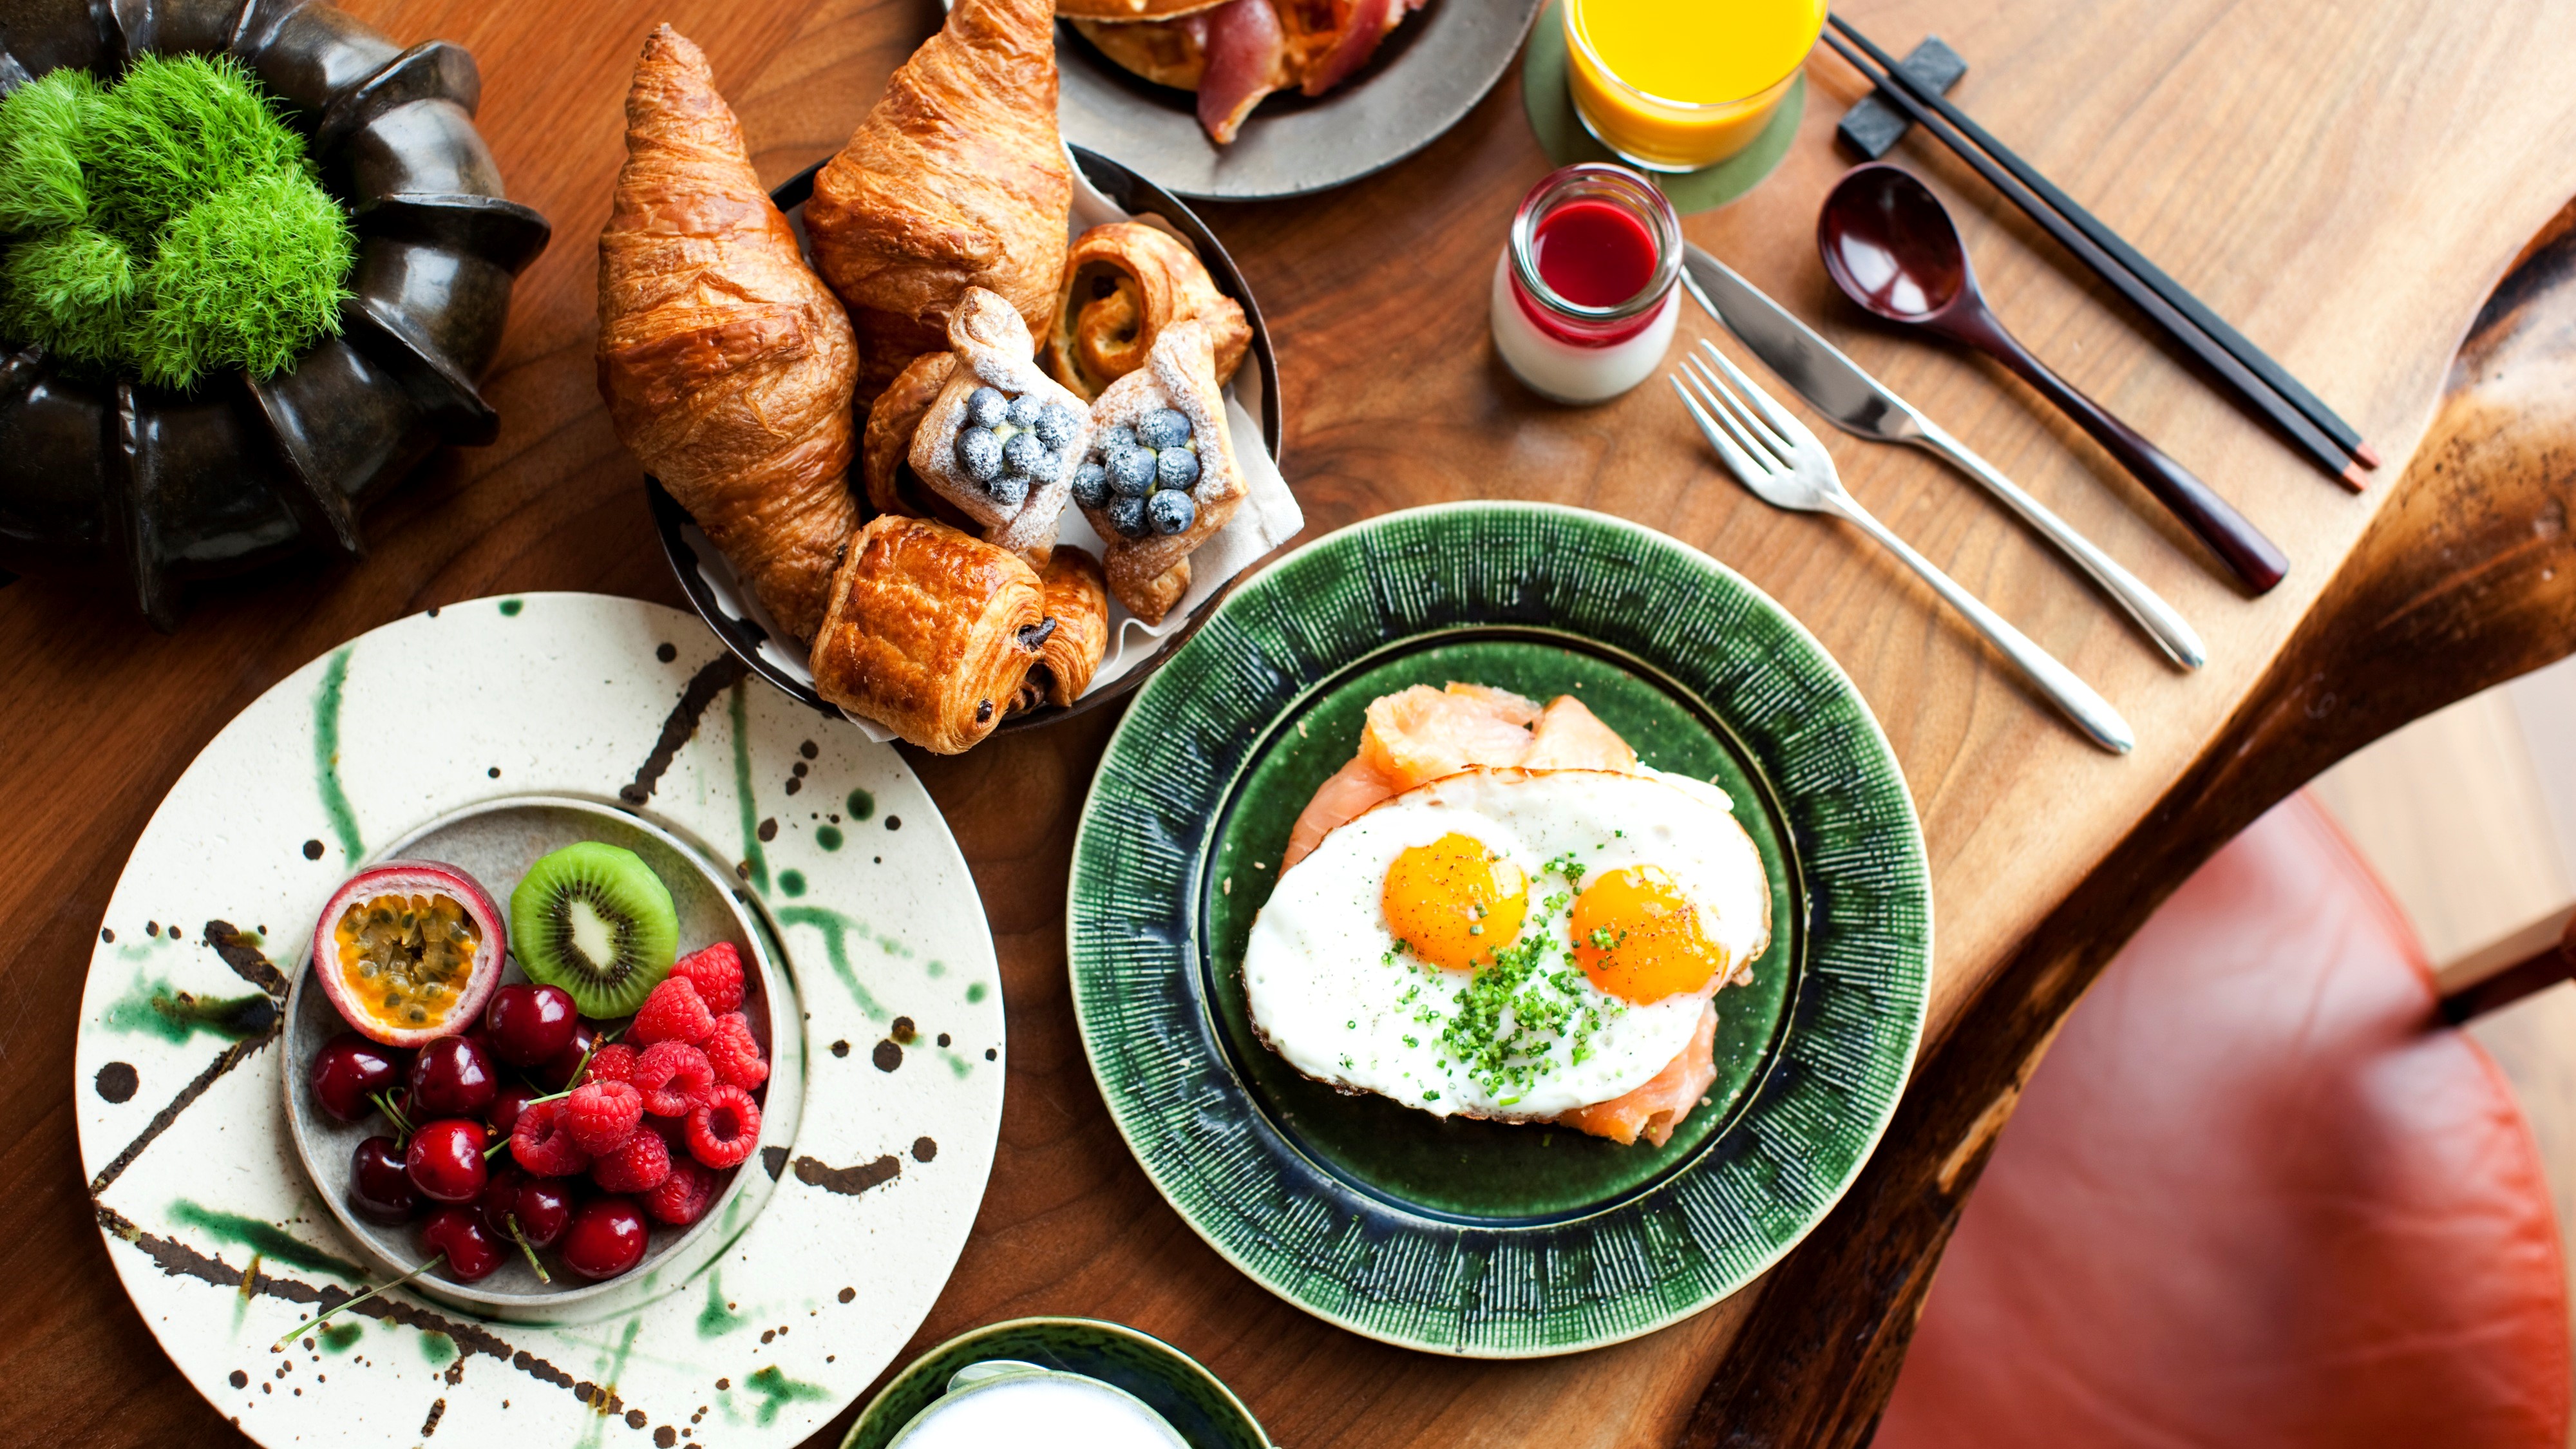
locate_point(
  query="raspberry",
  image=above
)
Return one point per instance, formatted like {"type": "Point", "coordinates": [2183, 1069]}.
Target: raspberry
{"type": "Point", "coordinates": [673, 1013]}
{"type": "Point", "coordinates": [683, 1197]}
{"type": "Point", "coordinates": [724, 1128]}
{"type": "Point", "coordinates": [542, 1141]}
{"type": "Point", "coordinates": [734, 1054]}
{"type": "Point", "coordinates": [614, 1062]}
{"type": "Point", "coordinates": [640, 1166]}
{"type": "Point", "coordinates": [716, 972]}
{"type": "Point", "coordinates": [673, 1076]}
{"type": "Point", "coordinates": [602, 1115]}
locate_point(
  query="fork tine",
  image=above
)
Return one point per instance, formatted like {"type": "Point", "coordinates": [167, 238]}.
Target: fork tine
{"type": "Point", "coordinates": [1772, 412]}
{"type": "Point", "coordinates": [1753, 451]}
{"type": "Point", "coordinates": [1743, 467]}
{"type": "Point", "coordinates": [1745, 411]}
{"type": "Point", "coordinates": [1740, 421]}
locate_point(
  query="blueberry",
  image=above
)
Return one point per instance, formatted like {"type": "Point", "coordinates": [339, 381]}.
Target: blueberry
{"type": "Point", "coordinates": [1176, 467]}
{"type": "Point", "coordinates": [1171, 510]}
{"type": "Point", "coordinates": [1163, 428]}
{"type": "Point", "coordinates": [1025, 409]}
{"type": "Point", "coordinates": [1047, 466]}
{"type": "Point", "coordinates": [1127, 515]}
{"type": "Point", "coordinates": [1021, 452]}
{"type": "Point", "coordinates": [1008, 490]}
{"type": "Point", "coordinates": [1055, 425]}
{"type": "Point", "coordinates": [1091, 485]}
{"type": "Point", "coordinates": [1115, 441]}
{"type": "Point", "coordinates": [986, 407]}
{"type": "Point", "coordinates": [1131, 472]}
{"type": "Point", "coordinates": [980, 454]}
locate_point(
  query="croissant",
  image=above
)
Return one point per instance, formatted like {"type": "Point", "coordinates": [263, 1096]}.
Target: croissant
{"type": "Point", "coordinates": [1028, 430]}
{"type": "Point", "coordinates": [726, 365]}
{"type": "Point", "coordinates": [1123, 284]}
{"type": "Point", "coordinates": [929, 632]}
{"type": "Point", "coordinates": [956, 179]}
{"type": "Point", "coordinates": [1152, 532]}
{"type": "Point", "coordinates": [1077, 604]}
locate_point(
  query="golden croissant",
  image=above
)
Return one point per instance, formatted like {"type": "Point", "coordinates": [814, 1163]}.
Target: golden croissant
{"type": "Point", "coordinates": [956, 179]}
{"type": "Point", "coordinates": [1124, 282]}
{"type": "Point", "coordinates": [726, 365]}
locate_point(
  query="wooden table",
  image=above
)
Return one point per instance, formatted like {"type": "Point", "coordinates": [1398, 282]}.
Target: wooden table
{"type": "Point", "coordinates": [2344, 181]}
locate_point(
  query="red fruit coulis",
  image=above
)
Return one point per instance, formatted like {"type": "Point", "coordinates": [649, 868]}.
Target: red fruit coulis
{"type": "Point", "coordinates": [1592, 254]}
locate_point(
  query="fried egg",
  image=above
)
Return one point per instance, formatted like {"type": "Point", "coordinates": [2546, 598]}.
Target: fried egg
{"type": "Point", "coordinates": [1508, 943]}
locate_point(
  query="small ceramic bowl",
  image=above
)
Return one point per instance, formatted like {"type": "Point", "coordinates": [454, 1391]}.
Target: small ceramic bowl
{"type": "Point", "coordinates": [495, 842]}
{"type": "Point", "coordinates": [1193, 1401]}
{"type": "Point", "coordinates": [709, 582]}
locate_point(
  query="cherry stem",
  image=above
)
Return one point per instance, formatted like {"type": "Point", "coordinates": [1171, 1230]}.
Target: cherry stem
{"type": "Point", "coordinates": [512, 1221]}
{"type": "Point", "coordinates": [317, 1320]}
{"type": "Point", "coordinates": [402, 1125]}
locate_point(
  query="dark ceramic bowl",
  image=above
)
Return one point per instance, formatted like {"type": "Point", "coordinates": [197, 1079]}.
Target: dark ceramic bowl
{"type": "Point", "coordinates": [708, 582]}
{"type": "Point", "coordinates": [158, 486]}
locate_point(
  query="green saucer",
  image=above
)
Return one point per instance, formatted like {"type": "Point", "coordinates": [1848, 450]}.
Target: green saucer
{"type": "Point", "coordinates": [1193, 1401]}
{"type": "Point", "coordinates": [1472, 1237]}
{"type": "Point", "coordinates": [1562, 136]}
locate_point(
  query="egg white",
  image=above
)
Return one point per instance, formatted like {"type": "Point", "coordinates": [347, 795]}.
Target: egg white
{"type": "Point", "coordinates": [1330, 991]}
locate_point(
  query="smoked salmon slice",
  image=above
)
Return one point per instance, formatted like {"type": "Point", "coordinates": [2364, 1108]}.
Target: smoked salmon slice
{"type": "Point", "coordinates": [1419, 734]}
{"type": "Point", "coordinates": [1659, 1106]}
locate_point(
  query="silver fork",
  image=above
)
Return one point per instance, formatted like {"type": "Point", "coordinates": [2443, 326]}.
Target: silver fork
{"type": "Point", "coordinates": [1774, 454]}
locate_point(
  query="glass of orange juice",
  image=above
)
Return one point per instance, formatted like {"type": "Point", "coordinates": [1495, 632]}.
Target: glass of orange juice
{"type": "Point", "coordinates": [1675, 85]}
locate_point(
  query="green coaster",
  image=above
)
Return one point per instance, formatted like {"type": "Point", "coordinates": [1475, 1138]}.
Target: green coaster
{"type": "Point", "coordinates": [1562, 136]}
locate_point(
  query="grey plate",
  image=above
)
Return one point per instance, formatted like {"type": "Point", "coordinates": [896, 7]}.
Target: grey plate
{"type": "Point", "coordinates": [496, 843]}
{"type": "Point", "coordinates": [1434, 69]}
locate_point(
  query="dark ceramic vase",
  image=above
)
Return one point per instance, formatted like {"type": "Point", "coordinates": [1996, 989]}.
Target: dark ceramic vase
{"type": "Point", "coordinates": [157, 487]}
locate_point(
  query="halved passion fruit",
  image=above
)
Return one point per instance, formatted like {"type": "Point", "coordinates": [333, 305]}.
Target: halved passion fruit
{"type": "Point", "coordinates": [409, 951]}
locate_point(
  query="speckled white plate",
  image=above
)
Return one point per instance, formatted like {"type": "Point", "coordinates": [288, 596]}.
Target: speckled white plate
{"type": "Point", "coordinates": [210, 1218]}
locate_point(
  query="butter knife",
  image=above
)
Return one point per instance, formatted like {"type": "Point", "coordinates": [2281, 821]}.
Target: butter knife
{"type": "Point", "coordinates": [1859, 404]}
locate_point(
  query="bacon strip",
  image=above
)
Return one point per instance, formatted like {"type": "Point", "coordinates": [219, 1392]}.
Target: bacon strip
{"type": "Point", "coordinates": [1369, 22]}
{"type": "Point", "coordinates": [1246, 61]}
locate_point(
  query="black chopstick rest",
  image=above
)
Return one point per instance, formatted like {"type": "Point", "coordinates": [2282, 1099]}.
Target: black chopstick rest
{"type": "Point", "coordinates": [1874, 126]}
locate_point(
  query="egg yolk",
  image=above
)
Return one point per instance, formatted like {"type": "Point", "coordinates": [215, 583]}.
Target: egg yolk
{"type": "Point", "coordinates": [1637, 937]}
{"type": "Point", "coordinates": [1454, 902]}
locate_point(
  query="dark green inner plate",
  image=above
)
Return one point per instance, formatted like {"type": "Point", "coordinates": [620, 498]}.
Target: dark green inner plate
{"type": "Point", "coordinates": [1465, 1237]}
{"type": "Point", "coordinates": [1480, 1172]}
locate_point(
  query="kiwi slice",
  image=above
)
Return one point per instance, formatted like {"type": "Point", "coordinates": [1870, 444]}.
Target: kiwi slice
{"type": "Point", "coordinates": [595, 920]}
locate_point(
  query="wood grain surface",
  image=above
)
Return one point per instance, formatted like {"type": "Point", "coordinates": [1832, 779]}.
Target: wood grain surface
{"type": "Point", "coordinates": [2344, 181]}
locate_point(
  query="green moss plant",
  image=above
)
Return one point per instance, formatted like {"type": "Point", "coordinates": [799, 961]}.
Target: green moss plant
{"type": "Point", "coordinates": [165, 228]}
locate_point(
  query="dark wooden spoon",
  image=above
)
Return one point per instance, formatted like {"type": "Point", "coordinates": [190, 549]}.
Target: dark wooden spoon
{"type": "Point", "coordinates": [1891, 246]}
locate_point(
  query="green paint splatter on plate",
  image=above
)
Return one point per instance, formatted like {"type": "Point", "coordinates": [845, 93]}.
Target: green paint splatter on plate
{"type": "Point", "coordinates": [154, 1008]}
{"type": "Point", "coordinates": [862, 805]}
{"type": "Point", "coordinates": [326, 755]}
{"type": "Point", "coordinates": [836, 929]}
{"type": "Point", "coordinates": [718, 1318]}
{"type": "Point", "coordinates": [264, 1238]}
{"type": "Point", "coordinates": [792, 882]}
{"type": "Point", "coordinates": [340, 1337]}
{"type": "Point", "coordinates": [510, 607]}
{"type": "Point", "coordinates": [438, 1348]}
{"type": "Point", "coordinates": [828, 836]}
{"type": "Point", "coordinates": [776, 1389]}
{"type": "Point", "coordinates": [975, 993]}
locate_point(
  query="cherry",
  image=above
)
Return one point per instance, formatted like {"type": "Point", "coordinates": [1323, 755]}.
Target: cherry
{"type": "Point", "coordinates": [348, 1071]}
{"type": "Point", "coordinates": [545, 1210]}
{"type": "Point", "coordinates": [558, 1070]}
{"type": "Point", "coordinates": [446, 1160]}
{"type": "Point", "coordinates": [380, 1189]}
{"type": "Point", "coordinates": [530, 1025]}
{"type": "Point", "coordinates": [506, 1107]}
{"type": "Point", "coordinates": [452, 1077]}
{"type": "Point", "coordinates": [471, 1252]}
{"type": "Point", "coordinates": [606, 1237]}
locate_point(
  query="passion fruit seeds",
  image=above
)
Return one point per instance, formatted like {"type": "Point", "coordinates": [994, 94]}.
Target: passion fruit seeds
{"type": "Point", "coordinates": [409, 951]}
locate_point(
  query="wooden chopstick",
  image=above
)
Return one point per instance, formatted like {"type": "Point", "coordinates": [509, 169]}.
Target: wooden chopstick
{"type": "Point", "coordinates": [2253, 376]}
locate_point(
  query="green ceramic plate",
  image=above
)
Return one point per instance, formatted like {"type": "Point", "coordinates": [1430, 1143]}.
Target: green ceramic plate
{"type": "Point", "coordinates": [1193, 1401]}
{"type": "Point", "coordinates": [1470, 1237]}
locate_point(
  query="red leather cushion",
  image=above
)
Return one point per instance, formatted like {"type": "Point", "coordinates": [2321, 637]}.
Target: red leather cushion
{"type": "Point", "coordinates": [2255, 1195]}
